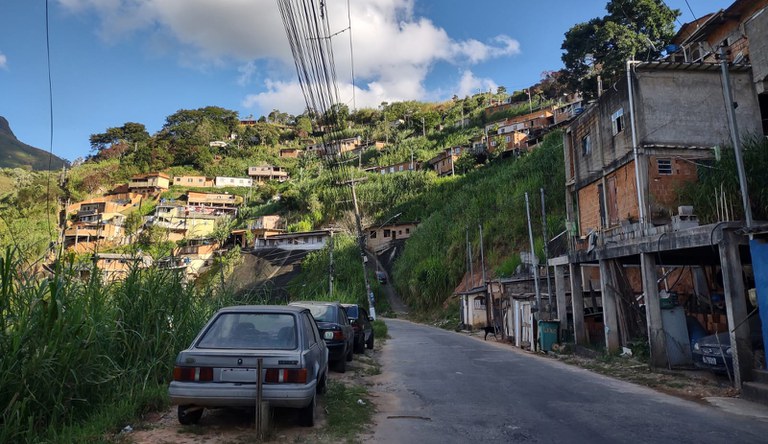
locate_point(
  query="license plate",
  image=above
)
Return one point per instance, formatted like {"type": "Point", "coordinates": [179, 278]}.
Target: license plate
{"type": "Point", "coordinates": [708, 360]}
{"type": "Point", "coordinates": [238, 375]}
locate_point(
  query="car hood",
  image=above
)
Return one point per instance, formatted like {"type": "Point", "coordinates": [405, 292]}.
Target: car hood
{"type": "Point", "coordinates": [720, 339]}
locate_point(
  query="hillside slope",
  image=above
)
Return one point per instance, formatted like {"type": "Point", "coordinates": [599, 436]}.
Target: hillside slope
{"type": "Point", "coordinates": [16, 154]}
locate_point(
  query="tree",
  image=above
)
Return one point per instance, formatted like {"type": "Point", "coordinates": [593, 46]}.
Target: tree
{"type": "Point", "coordinates": [130, 133]}
{"type": "Point", "coordinates": [601, 46]}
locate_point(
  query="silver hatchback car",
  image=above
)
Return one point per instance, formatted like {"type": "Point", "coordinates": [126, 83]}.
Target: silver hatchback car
{"type": "Point", "coordinates": [219, 369]}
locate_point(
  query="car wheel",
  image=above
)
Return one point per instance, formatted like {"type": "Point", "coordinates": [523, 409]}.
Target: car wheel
{"type": "Point", "coordinates": [341, 365]}
{"type": "Point", "coordinates": [307, 414]}
{"type": "Point", "coordinates": [189, 415]}
{"type": "Point", "coordinates": [322, 385]}
{"type": "Point", "coordinates": [360, 345]}
{"type": "Point", "coordinates": [350, 353]}
{"type": "Point", "coordinates": [369, 343]}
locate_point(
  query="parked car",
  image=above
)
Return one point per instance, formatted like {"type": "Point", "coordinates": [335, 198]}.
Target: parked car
{"type": "Point", "coordinates": [381, 277]}
{"type": "Point", "coordinates": [335, 328]}
{"type": "Point", "coordinates": [219, 369]}
{"type": "Point", "coordinates": [714, 352]}
{"type": "Point", "coordinates": [361, 324]}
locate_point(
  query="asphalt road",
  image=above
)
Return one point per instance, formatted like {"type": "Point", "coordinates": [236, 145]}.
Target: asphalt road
{"type": "Point", "coordinates": [444, 387]}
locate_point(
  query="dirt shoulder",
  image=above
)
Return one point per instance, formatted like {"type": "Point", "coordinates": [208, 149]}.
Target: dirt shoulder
{"type": "Point", "coordinates": [225, 426]}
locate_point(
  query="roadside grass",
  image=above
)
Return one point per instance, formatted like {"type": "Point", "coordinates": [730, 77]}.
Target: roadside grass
{"type": "Point", "coordinates": [380, 332]}
{"type": "Point", "coordinates": [349, 410]}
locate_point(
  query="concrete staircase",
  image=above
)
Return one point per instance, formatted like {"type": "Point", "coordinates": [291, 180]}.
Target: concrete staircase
{"type": "Point", "coordinates": [757, 389]}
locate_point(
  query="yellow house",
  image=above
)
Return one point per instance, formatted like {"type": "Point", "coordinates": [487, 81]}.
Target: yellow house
{"type": "Point", "coordinates": [186, 222]}
{"type": "Point", "coordinates": [381, 238]}
{"type": "Point", "coordinates": [193, 181]}
{"type": "Point", "coordinates": [149, 183]}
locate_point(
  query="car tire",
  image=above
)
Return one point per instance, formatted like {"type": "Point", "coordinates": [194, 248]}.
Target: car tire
{"type": "Point", "coordinates": [369, 343]}
{"type": "Point", "coordinates": [322, 385]}
{"type": "Point", "coordinates": [350, 353]}
{"type": "Point", "coordinates": [307, 414]}
{"type": "Point", "coordinates": [341, 365]}
{"type": "Point", "coordinates": [189, 415]}
{"type": "Point", "coordinates": [360, 345]}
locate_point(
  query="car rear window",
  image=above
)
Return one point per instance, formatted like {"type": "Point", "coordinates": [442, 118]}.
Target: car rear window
{"type": "Point", "coordinates": [352, 311]}
{"type": "Point", "coordinates": [270, 331]}
{"type": "Point", "coordinates": [322, 313]}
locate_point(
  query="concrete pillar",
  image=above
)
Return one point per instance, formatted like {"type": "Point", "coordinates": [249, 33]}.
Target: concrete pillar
{"type": "Point", "coordinates": [656, 338]}
{"type": "Point", "coordinates": [577, 303]}
{"type": "Point", "coordinates": [562, 304]}
{"type": "Point", "coordinates": [736, 307]}
{"type": "Point", "coordinates": [610, 312]}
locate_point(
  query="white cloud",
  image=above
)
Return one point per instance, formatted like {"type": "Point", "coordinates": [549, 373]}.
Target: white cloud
{"type": "Point", "coordinates": [469, 84]}
{"type": "Point", "coordinates": [3, 61]}
{"type": "Point", "coordinates": [246, 73]}
{"type": "Point", "coordinates": [394, 50]}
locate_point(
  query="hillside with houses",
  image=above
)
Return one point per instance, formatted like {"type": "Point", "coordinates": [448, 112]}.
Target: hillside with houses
{"type": "Point", "coordinates": [617, 205]}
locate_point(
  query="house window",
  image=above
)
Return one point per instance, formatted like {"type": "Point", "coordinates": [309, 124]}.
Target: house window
{"type": "Point", "coordinates": [586, 145]}
{"type": "Point", "coordinates": [480, 303]}
{"type": "Point", "coordinates": [386, 233]}
{"type": "Point", "coordinates": [665, 166]}
{"type": "Point", "coordinates": [373, 234]}
{"type": "Point", "coordinates": [507, 139]}
{"type": "Point", "coordinates": [617, 121]}
{"type": "Point", "coordinates": [407, 231]}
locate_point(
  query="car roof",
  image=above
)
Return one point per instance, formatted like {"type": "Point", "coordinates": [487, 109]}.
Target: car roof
{"type": "Point", "coordinates": [262, 309]}
{"type": "Point", "coordinates": [301, 303]}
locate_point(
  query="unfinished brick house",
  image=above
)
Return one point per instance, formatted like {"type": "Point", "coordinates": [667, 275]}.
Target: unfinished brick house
{"type": "Point", "coordinates": [626, 157]}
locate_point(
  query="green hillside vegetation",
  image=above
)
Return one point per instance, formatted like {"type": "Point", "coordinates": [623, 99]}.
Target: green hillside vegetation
{"type": "Point", "coordinates": [16, 154]}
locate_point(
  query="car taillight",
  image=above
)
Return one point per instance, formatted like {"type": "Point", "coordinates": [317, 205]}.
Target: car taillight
{"type": "Point", "coordinates": [337, 335]}
{"type": "Point", "coordinates": [193, 374]}
{"type": "Point", "coordinates": [356, 326]}
{"type": "Point", "coordinates": [278, 375]}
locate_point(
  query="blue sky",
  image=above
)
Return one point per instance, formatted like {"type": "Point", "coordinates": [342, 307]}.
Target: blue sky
{"type": "Point", "coordinates": [117, 61]}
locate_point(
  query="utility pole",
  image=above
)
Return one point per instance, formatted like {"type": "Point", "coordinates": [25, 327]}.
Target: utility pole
{"type": "Point", "coordinates": [534, 261]}
{"type": "Point", "coordinates": [471, 271]}
{"type": "Point", "coordinates": [361, 243]}
{"type": "Point", "coordinates": [546, 249]}
{"type": "Point", "coordinates": [731, 112]}
{"type": "Point", "coordinates": [330, 267]}
{"type": "Point", "coordinates": [488, 307]}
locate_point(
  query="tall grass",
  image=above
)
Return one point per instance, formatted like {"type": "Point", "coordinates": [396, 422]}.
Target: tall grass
{"type": "Point", "coordinates": [71, 348]}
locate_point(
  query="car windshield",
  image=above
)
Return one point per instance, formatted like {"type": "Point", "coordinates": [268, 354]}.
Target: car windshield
{"type": "Point", "coordinates": [273, 331]}
{"type": "Point", "coordinates": [322, 313]}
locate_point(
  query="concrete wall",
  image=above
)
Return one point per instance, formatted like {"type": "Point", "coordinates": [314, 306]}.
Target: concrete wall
{"type": "Point", "coordinates": [757, 34]}
{"type": "Point", "coordinates": [686, 108]}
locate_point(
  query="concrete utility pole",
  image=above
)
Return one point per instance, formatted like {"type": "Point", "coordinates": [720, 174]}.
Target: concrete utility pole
{"type": "Point", "coordinates": [330, 267]}
{"type": "Point", "coordinates": [730, 107]}
{"type": "Point", "coordinates": [546, 249]}
{"type": "Point", "coordinates": [361, 243]}
{"type": "Point", "coordinates": [488, 306]}
{"type": "Point", "coordinates": [534, 261]}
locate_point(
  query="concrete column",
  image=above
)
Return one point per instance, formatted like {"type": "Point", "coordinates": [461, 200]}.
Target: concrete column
{"type": "Point", "coordinates": [562, 304]}
{"type": "Point", "coordinates": [577, 303]}
{"type": "Point", "coordinates": [736, 307]}
{"type": "Point", "coordinates": [656, 337]}
{"type": "Point", "coordinates": [610, 312]}
{"type": "Point", "coordinates": [518, 323]}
